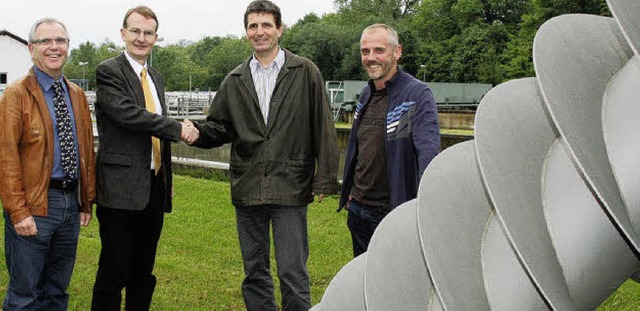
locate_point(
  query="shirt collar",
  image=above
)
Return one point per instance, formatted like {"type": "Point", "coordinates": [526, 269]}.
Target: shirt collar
{"type": "Point", "coordinates": [277, 62]}
{"type": "Point", "coordinates": [46, 81]}
{"type": "Point", "coordinates": [134, 64]}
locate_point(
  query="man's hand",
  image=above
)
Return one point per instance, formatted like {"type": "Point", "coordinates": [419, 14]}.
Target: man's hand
{"type": "Point", "coordinates": [320, 198]}
{"type": "Point", "coordinates": [189, 132]}
{"type": "Point", "coordinates": [346, 206]}
{"type": "Point", "coordinates": [26, 227]}
{"type": "Point", "coordinates": [85, 219]}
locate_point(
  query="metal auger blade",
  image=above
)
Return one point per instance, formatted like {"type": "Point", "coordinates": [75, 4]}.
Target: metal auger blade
{"type": "Point", "coordinates": [452, 212]}
{"type": "Point", "coordinates": [345, 291]}
{"type": "Point", "coordinates": [575, 56]}
{"type": "Point", "coordinates": [627, 13]}
{"type": "Point", "coordinates": [621, 131]}
{"type": "Point", "coordinates": [508, 285]}
{"type": "Point", "coordinates": [395, 276]}
{"type": "Point", "coordinates": [595, 259]}
{"type": "Point", "coordinates": [513, 136]}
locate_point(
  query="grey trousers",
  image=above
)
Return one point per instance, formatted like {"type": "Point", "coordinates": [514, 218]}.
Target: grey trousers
{"type": "Point", "coordinates": [291, 246]}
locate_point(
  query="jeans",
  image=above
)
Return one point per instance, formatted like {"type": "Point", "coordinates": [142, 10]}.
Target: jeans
{"type": "Point", "coordinates": [40, 266]}
{"type": "Point", "coordinates": [291, 249]}
{"type": "Point", "coordinates": [362, 222]}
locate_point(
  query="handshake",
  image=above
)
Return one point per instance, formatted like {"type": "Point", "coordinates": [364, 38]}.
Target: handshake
{"type": "Point", "coordinates": [189, 132]}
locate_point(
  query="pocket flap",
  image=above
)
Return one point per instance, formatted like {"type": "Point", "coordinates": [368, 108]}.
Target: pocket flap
{"type": "Point", "coordinates": [114, 158]}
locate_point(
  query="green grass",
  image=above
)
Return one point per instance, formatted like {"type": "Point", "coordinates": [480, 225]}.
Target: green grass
{"type": "Point", "coordinates": [199, 266]}
{"type": "Point", "coordinates": [343, 125]}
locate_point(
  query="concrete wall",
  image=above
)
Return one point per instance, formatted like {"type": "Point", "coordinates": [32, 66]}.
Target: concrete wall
{"type": "Point", "coordinates": [456, 120]}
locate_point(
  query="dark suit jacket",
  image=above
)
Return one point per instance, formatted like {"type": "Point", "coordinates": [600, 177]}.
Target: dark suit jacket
{"type": "Point", "coordinates": [125, 127]}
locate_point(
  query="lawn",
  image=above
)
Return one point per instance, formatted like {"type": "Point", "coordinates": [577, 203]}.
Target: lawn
{"type": "Point", "coordinates": [199, 265]}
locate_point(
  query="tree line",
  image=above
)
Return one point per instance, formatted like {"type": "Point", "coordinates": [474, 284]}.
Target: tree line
{"type": "Point", "coordinates": [467, 41]}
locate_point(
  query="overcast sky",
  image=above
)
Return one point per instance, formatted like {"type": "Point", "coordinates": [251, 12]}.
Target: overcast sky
{"type": "Point", "coordinates": [95, 20]}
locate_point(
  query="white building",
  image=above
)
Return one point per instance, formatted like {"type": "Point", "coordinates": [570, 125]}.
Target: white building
{"type": "Point", "coordinates": [15, 60]}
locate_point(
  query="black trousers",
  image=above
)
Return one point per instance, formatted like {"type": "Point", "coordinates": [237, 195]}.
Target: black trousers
{"type": "Point", "coordinates": [129, 244]}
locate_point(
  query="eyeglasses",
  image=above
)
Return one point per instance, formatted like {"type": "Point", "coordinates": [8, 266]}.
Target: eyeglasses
{"type": "Point", "coordinates": [49, 41]}
{"type": "Point", "coordinates": [148, 34]}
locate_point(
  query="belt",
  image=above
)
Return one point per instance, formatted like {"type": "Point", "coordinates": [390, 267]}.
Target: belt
{"type": "Point", "coordinates": [63, 185]}
{"type": "Point", "coordinates": [379, 209]}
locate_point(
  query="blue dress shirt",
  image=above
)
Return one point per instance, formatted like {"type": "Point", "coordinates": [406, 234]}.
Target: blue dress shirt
{"type": "Point", "coordinates": [46, 84]}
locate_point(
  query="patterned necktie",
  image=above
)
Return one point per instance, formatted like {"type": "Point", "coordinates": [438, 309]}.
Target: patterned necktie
{"type": "Point", "coordinates": [151, 107]}
{"type": "Point", "coordinates": [65, 134]}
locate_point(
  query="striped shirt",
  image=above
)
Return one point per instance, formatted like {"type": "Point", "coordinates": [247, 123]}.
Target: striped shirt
{"type": "Point", "coordinates": [264, 80]}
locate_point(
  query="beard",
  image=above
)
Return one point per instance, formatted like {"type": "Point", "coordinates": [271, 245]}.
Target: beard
{"type": "Point", "coordinates": [380, 72]}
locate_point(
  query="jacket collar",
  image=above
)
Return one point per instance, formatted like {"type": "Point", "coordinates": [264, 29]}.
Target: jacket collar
{"type": "Point", "coordinates": [394, 80]}
{"type": "Point", "coordinates": [278, 61]}
{"type": "Point", "coordinates": [31, 83]}
{"type": "Point", "coordinates": [137, 68]}
{"type": "Point", "coordinates": [33, 86]}
{"type": "Point", "coordinates": [396, 77]}
{"type": "Point", "coordinates": [128, 69]}
{"type": "Point", "coordinates": [290, 60]}
{"type": "Point", "coordinates": [47, 81]}
{"type": "Point", "coordinates": [134, 81]}
{"type": "Point", "coordinates": [243, 72]}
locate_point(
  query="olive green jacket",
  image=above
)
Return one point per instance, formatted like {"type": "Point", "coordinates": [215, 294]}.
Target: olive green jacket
{"type": "Point", "coordinates": [291, 157]}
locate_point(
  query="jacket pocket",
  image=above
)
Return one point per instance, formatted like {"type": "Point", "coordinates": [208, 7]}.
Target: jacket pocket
{"type": "Point", "coordinates": [34, 134]}
{"type": "Point", "coordinates": [295, 165]}
{"type": "Point", "coordinates": [114, 159]}
{"type": "Point", "coordinates": [245, 182]}
{"type": "Point", "coordinates": [119, 182]}
{"type": "Point", "coordinates": [299, 175]}
{"type": "Point", "coordinates": [237, 175]}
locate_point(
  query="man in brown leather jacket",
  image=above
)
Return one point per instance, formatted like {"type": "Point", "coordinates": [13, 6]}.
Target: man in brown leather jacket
{"type": "Point", "coordinates": [47, 181]}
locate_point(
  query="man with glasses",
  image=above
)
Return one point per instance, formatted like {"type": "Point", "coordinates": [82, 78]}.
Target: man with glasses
{"type": "Point", "coordinates": [47, 181]}
{"type": "Point", "coordinates": [134, 182]}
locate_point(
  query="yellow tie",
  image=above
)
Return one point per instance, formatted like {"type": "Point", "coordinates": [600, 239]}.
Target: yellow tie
{"type": "Point", "coordinates": [151, 107]}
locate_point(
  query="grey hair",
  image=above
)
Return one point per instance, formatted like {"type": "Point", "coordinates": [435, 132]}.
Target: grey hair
{"type": "Point", "coordinates": [393, 35]}
{"type": "Point", "coordinates": [46, 20]}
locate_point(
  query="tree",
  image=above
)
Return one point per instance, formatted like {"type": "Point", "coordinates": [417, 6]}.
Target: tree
{"type": "Point", "coordinates": [225, 57]}
{"type": "Point", "coordinates": [393, 9]}
{"type": "Point", "coordinates": [198, 51]}
{"type": "Point", "coordinates": [327, 45]}
{"type": "Point", "coordinates": [518, 57]}
{"type": "Point", "coordinates": [91, 55]}
{"type": "Point", "coordinates": [457, 41]}
{"type": "Point", "coordinates": [177, 69]}
{"type": "Point", "coordinates": [464, 41]}
{"type": "Point", "coordinates": [82, 63]}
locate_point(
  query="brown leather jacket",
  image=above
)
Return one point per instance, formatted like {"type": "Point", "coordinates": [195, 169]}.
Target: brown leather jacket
{"type": "Point", "coordinates": [26, 148]}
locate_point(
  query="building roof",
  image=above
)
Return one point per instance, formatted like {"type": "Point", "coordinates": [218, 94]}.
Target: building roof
{"type": "Point", "coordinates": [6, 33]}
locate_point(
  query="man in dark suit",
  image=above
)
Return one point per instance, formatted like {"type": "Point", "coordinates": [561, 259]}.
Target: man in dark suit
{"type": "Point", "coordinates": [134, 182]}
